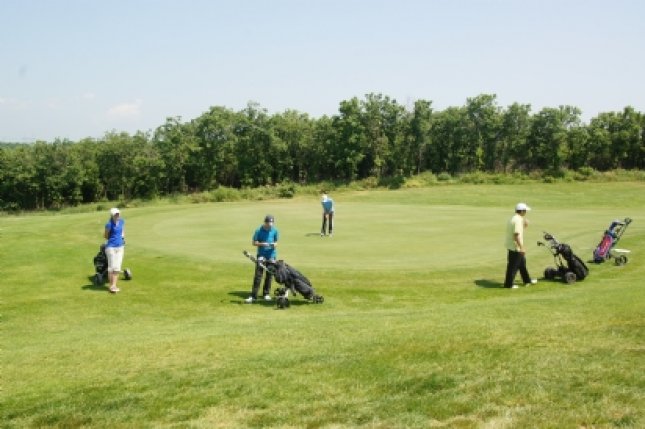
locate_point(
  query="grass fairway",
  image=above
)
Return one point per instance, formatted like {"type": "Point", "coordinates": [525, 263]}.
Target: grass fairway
{"type": "Point", "coordinates": [415, 330]}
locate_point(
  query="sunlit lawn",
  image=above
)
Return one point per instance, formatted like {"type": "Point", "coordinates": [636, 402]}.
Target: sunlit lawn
{"type": "Point", "coordinates": [415, 330]}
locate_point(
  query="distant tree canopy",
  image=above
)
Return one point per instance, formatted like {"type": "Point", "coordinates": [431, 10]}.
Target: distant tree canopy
{"type": "Point", "coordinates": [373, 137]}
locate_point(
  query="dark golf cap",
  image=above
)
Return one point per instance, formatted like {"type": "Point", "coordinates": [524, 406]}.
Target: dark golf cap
{"type": "Point", "coordinates": [268, 218]}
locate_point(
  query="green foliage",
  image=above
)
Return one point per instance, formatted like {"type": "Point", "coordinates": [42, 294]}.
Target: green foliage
{"type": "Point", "coordinates": [391, 182]}
{"type": "Point", "coordinates": [421, 180]}
{"type": "Point", "coordinates": [478, 177]}
{"type": "Point", "coordinates": [224, 194]}
{"type": "Point", "coordinates": [585, 173]}
{"type": "Point", "coordinates": [364, 184]}
{"type": "Point", "coordinates": [444, 177]}
{"type": "Point", "coordinates": [286, 190]}
{"type": "Point", "coordinates": [371, 142]}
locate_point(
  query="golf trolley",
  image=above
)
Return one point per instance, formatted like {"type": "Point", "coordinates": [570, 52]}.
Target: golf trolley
{"type": "Point", "coordinates": [101, 268]}
{"type": "Point", "coordinates": [606, 248]}
{"type": "Point", "coordinates": [293, 281]}
{"type": "Point", "coordinates": [574, 269]}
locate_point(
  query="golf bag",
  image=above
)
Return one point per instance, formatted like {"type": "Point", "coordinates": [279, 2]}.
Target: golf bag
{"type": "Point", "coordinates": [569, 267]}
{"type": "Point", "coordinates": [292, 280]}
{"type": "Point", "coordinates": [609, 240]}
{"type": "Point", "coordinates": [101, 267]}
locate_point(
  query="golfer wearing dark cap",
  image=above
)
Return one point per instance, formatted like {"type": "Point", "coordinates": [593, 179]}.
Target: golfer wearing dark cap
{"type": "Point", "coordinates": [265, 239]}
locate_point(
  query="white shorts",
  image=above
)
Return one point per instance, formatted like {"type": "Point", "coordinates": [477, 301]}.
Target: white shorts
{"type": "Point", "coordinates": [115, 258]}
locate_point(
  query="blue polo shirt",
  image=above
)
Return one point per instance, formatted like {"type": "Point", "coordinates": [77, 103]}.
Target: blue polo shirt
{"type": "Point", "coordinates": [115, 238]}
{"type": "Point", "coordinates": [268, 236]}
{"type": "Point", "coordinates": [328, 206]}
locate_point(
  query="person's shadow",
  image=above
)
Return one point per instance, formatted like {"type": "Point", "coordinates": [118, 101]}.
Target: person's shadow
{"type": "Point", "coordinates": [489, 284]}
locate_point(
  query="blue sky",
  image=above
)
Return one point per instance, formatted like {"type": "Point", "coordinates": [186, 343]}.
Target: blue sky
{"type": "Point", "coordinates": [79, 68]}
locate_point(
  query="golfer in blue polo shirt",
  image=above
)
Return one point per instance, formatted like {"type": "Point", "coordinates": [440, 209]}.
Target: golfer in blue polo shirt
{"type": "Point", "coordinates": [328, 215]}
{"type": "Point", "coordinates": [265, 239]}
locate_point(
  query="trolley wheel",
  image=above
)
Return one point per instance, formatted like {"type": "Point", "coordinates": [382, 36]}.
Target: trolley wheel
{"type": "Point", "coordinates": [550, 273]}
{"type": "Point", "coordinates": [621, 260]}
{"type": "Point", "coordinates": [282, 302]}
{"type": "Point", "coordinates": [127, 274]}
{"type": "Point", "coordinates": [98, 279]}
{"type": "Point", "coordinates": [570, 277]}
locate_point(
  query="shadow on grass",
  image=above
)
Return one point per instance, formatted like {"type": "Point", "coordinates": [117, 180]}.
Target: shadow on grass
{"type": "Point", "coordinates": [312, 234]}
{"type": "Point", "coordinates": [94, 287]}
{"type": "Point", "coordinates": [298, 301]}
{"type": "Point", "coordinates": [242, 295]}
{"type": "Point", "coordinates": [489, 284]}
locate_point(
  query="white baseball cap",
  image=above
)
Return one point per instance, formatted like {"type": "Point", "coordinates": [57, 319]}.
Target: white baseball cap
{"type": "Point", "coordinates": [114, 211]}
{"type": "Point", "coordinates": [522, 207]}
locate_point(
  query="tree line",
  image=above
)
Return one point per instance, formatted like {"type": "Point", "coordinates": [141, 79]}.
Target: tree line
{"type": "Point", "coordinates": [370, 137]}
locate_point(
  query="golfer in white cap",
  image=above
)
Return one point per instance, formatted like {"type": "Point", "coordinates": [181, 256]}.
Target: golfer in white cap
{"type": "Point", "coordinates": [114, 247]}
{"type": "Point", "coordinates": [328, 215]}
{"type": "Point", "coordinates": [515, 246]}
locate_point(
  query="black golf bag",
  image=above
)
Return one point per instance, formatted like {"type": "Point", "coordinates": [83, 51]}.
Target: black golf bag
{"type": "Point", "coordinates": [294, 281]}
{"type": "Point", "coordinates": [569, 266]}
{"type": "Point", "coordinates": [101, 267]}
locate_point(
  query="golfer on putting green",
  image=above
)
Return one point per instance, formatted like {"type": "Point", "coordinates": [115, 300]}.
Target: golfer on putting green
{"type": "Point", "coordinates": [115, 246]}
{"type": "Point", "coordinates": [328, 215]}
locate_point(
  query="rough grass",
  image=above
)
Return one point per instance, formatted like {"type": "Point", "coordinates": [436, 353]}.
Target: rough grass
{"type": "Point", "coordinates": [415, 330]}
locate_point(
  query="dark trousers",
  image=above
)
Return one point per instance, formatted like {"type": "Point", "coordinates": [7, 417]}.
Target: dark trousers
{"type": "Point", "coordinates": [516, 261]}
{"type": "Point", "coordinates": [329, 217]}
{"type": "Point", "coordinates": [257, 279]}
